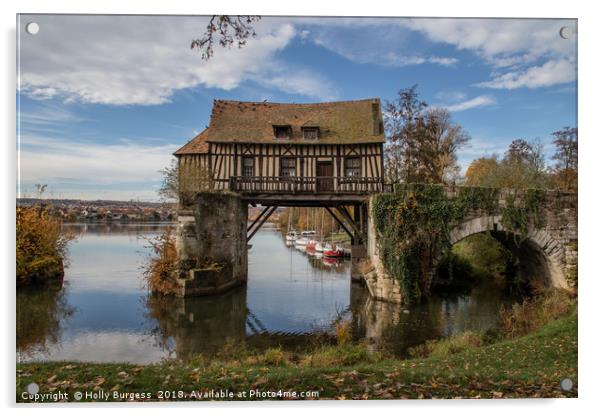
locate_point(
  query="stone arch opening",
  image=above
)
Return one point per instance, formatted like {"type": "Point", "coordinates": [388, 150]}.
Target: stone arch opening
{"type": "Point", "coordinates": [538, 254]}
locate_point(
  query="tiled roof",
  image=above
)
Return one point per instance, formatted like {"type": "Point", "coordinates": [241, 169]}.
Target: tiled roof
{"type": "Point", "coordinates": [197, 145]}
{"type": "Point", "coordinates": [340, 122]}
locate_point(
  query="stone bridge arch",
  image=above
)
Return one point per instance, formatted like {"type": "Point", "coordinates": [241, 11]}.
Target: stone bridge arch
{"type": "Point", "coordinates": [546, 249]}
{"type": "Point", "coordinates": [541, 256]}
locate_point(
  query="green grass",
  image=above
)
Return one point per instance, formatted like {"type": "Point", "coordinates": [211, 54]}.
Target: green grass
{"type": "Point", "coordinates": [530, 366]}
{"type": "Point", "coordinates": [444, 347]}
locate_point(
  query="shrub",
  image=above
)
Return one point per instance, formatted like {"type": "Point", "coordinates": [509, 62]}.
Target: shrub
{"type": "Point", "coordinates": [343, 332]}
{"type": "Point", "coordinates": [41, 245]}
{"type": "Point", "coordinates": [522, 318]}
{"type": "Point", "coordinates": [159, 271]}
{"type": "Point", "coordinates": [273, 356]}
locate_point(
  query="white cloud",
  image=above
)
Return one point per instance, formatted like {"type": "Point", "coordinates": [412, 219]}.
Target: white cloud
{"type": "Point", "coordinates": [377, 41]}
{"type": "Point", "coordinates": [394, 59]}
{"type": "Point", "coordinates": [299, 82]}
{"type": "Point", "coordinates": [530, 50]}
{"type": "Point", "coordinates": [498, 37]}
{"type": "Point", "coordinates": [551, 73]}
{"type": "Point", "coordinates": [144, 59]}
{"type": "Point", "coordinates": [450, 95]}
{"type": "Point", "coordinates": [444, 61]}
{"type": "Point", "coordinates": [480, 101]}
{"type": "Point", "coordinates": [48, 116]}
{"type": "Point", "coordinates": [45, 159]}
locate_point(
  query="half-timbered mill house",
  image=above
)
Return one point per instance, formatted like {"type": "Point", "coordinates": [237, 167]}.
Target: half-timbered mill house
{"type": "Point", "coordinates": [263, 148]}
{"type": "Point", "coordinates": [326, 155]}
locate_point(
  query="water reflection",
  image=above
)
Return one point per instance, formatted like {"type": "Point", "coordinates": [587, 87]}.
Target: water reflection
{"type": "Point", "coordinates": [41, 316]}
{"type": "Point", "coordinates": [193, 325]}
{"type": "Point", "coordinates": [104, 313]}
{"type": "Point", "coordinates": [394, 328]}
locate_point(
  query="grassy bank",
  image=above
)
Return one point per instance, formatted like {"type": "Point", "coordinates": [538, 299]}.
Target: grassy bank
{"type": "Point", "coordinates": [528, 366]}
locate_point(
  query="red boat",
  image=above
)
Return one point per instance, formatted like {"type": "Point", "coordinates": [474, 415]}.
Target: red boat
{"type": "Point", "coordinates": [333, 251]}
{"type": "Point", "coordinates": [331, 261]}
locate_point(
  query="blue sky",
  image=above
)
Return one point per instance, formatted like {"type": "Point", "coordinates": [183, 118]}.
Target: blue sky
{"type": "Point", "coordinates": [104, 100]}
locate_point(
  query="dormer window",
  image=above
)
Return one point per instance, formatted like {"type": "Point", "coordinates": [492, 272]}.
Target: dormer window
{"type": "Point", "coordinates": [310, 133]}
{"type": "Point", "coordinates": [282, 132]}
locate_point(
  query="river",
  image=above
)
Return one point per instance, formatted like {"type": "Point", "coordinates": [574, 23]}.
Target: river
{"type": "Point", "coordinates": [103, 312]}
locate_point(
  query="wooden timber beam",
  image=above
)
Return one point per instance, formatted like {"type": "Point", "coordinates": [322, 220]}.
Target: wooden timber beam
{"type": "Point", "coordinates": [262, 221]}
{"type": "Point", "coordinates": [257, 219]}
{"type": "Point", "coordinates": [350, 221]}
{"type": "Point", "coordinates": [341, 223]}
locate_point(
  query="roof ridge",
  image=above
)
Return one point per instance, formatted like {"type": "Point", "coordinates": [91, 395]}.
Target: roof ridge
{"type": "Point", "coordinates": [291, 103]}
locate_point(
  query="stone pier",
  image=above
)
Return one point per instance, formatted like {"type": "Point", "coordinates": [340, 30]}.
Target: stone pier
{"type": "Point", "coordinates": [211, 243]}
{"type": "Point", "coordinates": [380, 284]}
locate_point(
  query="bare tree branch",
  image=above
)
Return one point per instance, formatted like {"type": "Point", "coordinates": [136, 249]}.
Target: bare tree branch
{"type": "Point", "coordinates": [226, 31]}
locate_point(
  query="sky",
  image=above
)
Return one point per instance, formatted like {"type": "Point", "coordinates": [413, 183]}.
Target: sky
{"type": "Point", "coordinates": [103, 101]}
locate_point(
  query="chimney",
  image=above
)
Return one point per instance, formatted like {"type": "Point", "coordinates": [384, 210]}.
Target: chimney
{"type": "Point", "coordinates": [375, 117]}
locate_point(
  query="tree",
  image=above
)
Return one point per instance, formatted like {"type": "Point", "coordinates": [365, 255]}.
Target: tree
{"type": "Point", "coordinates": [523, 166]}
{"type": "Point", "coordinates": [182, 181]}
{"type": "Point", "coordinates": [482, 170]}
{"type": "Point", "coordinates": [422, 142]}
{"type": "Point", "coordinates": [527, 153]}
{"type": "Point", "coordinates": [170, 183]}
{"type": "Point", "coordinates": [565, 170]}
{"type": "Point", "coordinates": [437, 151]}
{"type": "Point", "coordinates": [228, 29]}
{"type": "Point", "coordinates": [401, 120]}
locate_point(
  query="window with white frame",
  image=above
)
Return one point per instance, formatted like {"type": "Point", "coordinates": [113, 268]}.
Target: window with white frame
{"type": "Point", "coordinates": [288, 166]}
{"type": "Point", "coordinates": [353, 166]}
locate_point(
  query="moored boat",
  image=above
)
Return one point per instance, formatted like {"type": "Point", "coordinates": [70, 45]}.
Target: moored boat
{"type": "Point", "coordinates": [331, 261]}
{"type": "Point", "coordinates": [333, 251]}
{"type": "Point", "coordinates": [291, 236]}
{"type": "Point", "coordinates": [301, 241]}
{"type": "Point", "coordinates": [319, 247]}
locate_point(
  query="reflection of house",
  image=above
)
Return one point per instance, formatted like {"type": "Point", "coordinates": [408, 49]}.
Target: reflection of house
{"type": "Point", "coordinates": [267, 147]}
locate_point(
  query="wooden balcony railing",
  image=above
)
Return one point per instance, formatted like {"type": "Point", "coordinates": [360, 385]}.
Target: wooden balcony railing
{"type": "Point", "coordinates": [305, 184]}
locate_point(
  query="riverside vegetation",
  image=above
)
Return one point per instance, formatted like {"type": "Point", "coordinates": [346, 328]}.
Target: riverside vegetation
{"type": "Point", "coordinates": [41, 246]}
{"type": "Point", "coordinates": [159, 269]}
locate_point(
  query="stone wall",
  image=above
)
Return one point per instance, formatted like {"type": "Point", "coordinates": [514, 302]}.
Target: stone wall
{"type": "Point", "coordinates": [211, 242]}
{"type": "Point", "coordinates": [380, 283]}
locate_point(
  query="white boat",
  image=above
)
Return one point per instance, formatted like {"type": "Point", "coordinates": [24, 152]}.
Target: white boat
{"type": "Point", "coordinates": [291, 236]}
{"type": "Point", "coordinates": [319, 247]}
{"type": "Point", "coordinates": [301, 241]}
{"type": "Point", "coordinates": [309, 233]}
